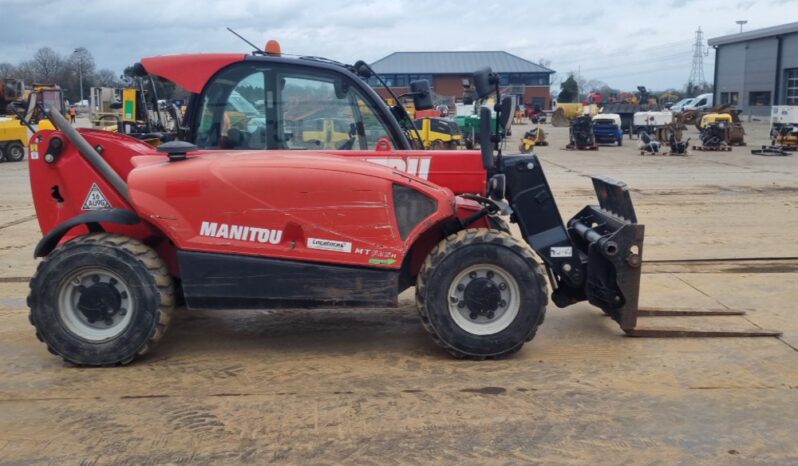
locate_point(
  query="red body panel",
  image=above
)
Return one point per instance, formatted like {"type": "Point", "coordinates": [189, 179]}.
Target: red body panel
{"type": "Point", "coordinates": [301, 195]}
{"type": "Point", "coordinates": [460, 170]}
{"type": "Point", "coordinates": [300, 206]}
{"type": "Point", "coordinates": [190, 71]}
{"type": "Point", "coordinates": [74, 177]}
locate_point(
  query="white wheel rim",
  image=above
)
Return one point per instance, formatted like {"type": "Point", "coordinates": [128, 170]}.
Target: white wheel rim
{"type": "Point", "coordinates": [77, 322]}
{"type": "Point", "coordinates": [483, 324]}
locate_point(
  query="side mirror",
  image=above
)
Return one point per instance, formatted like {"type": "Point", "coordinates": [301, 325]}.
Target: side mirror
{"type": "Point", "coordinates": [507, 110]}
{"type": "Point", "coordinates": [485, 143]}
{"type": "Point", "coordinates": [341, 89]}
{"type": "Point", "coordinates": [468, 97]}
{"type": "Point", "coordinates": [485, 81]}
{"type": "Point", "coordinates": [422, 97]}
{"type": "Point", "coordinates": [362, 69]}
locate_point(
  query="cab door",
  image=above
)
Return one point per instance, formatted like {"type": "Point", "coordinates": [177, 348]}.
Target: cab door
{"type": "Point", "coordinates": [263, 105]}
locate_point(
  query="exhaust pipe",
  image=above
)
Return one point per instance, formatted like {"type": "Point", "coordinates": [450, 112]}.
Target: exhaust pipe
{"type": "Point", "coordinates": [88, 152]}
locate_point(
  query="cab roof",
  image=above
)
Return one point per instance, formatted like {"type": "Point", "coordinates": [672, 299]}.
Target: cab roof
{"type": "Point", "coordinates": [190, 71]}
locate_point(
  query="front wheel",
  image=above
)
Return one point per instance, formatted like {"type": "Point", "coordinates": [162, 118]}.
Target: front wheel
{"type": "Point", "coordinates": [15, 152]}
{"type": "Point", "coordinates": [481, 294]}
{"type": "Point", "coordinates": [101, 299]}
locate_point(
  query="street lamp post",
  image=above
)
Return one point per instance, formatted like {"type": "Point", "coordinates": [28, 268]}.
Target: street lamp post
{"type": "Point", "coordinates": [741, 22]}
{"type": "Point", "coordinates": [80, 73]}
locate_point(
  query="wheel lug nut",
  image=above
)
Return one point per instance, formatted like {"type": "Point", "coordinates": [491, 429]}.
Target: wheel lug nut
{"type": "Point", "coordinates": [490, 274]}
{"type": "Point", "coordinates": [473, 315]}
{"type": "Point", "coordinates": [461, 304]}
{"type": "Point", "coordinates": [472, 275]}
{"type": "Point", "coordinates": [123, 295]}
{"type": "Point", "coordinates": [112, 281]}
{"type": "Point", "coordinates": [95, 278]}
{"type": "Point", "coordinates": [502, 286]}
{"type": "Point", "coordinates": [490, 315]}
{"type": "Point", "coordinates": [122, 311]}
{"type": "Point", "coordinates": [108, 321]}
{"type": "Point", "coordinates": [460, 287]}
{"type": "Point", "coordinates": [502, 303]}
{"type": "Point", "coordinates": [453, 299]}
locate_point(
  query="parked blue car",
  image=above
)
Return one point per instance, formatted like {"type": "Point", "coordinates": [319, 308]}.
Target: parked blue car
{"type": "Point", "coordinates": [607, 128]}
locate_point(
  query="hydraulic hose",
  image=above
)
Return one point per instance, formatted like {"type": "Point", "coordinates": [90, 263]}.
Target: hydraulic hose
{"type": "Point", "coordinates": [88, 153]}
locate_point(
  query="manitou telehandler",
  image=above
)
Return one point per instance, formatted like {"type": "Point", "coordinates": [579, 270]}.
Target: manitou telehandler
{"type": "Point", "coordinates": [234, 217]}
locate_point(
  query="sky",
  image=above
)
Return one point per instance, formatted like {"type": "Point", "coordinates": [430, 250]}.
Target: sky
{"type": "Point", "coordinates": [625, 43]}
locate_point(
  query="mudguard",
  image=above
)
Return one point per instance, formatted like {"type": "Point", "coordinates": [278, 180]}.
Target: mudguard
{"type": "Point", "coordinates": [90, 219]}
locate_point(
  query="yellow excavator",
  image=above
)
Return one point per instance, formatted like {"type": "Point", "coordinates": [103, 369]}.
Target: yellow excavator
{"type": "Point", "coordinates": [23, 115]}
{"type": "Point", "coordinates": [439, 133]}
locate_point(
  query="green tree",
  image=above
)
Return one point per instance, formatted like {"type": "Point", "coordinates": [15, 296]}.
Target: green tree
{"type": "Point", "coordinates": [569, 90]}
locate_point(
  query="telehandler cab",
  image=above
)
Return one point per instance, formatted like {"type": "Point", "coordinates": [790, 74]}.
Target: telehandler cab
{"type": "Point", "coordinates": [129, 229]}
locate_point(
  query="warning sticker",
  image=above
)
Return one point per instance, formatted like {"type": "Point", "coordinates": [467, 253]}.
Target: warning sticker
{"type": "Point", "coordinates": [563, 251]}
{"type": "Point", "coordinates": [96, 199]}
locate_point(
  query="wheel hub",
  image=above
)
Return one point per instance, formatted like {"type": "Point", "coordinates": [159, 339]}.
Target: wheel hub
{"type": "Point", "coordinates": [482, 297]}
{"type": "Point", "coordinates": [98, 302]}
{"type": "Point", "coordinates": [95, 304]}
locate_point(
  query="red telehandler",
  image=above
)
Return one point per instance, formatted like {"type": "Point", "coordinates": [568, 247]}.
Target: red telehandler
{"type": "Point", "coordinates": [248, 210]}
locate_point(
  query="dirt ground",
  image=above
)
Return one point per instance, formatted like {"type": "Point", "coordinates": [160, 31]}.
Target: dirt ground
{"type": "Point", "coordinates": [369, 387]}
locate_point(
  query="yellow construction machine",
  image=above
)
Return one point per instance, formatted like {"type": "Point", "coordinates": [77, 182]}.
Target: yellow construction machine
{"type": "Point", "coordinates": [24, 115]}
{"type": "Point", "coordinates": [438, 133]}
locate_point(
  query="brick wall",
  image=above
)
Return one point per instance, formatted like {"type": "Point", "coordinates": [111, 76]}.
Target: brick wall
{"type": "Point", "coordinates": [452, 86]}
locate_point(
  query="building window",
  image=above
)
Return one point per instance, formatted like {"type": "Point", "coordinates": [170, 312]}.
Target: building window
{"type": "Point", "coordinates": [759, 99]}
{"type": "Point", "coordinates": [729, 98]}
{"type": "Point", "coordinates": [791, 83]}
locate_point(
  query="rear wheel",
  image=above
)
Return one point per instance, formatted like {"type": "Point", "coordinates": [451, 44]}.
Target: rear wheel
{"type": "Point", "coordinates": [481, 294]}
{"type": "Point", "coordinates": [101, 299]}
{"type": "Point", "coordinates": [15, 151]}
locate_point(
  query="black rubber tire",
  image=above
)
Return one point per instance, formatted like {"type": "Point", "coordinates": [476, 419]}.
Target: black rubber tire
{"type": "Point", "coordinates": [620, 141]}
{"type": "Point", "coordinates": [149, 282]}
{"type": "Point", "coordinates": [14, 151]}
{"type": "Point", "coordinates": [2, 153]}
{"type": "Point", "coordinates": [467, 248]}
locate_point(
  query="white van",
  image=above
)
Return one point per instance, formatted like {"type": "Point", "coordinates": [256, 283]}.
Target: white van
{"type": "Point", "coordinates": [702, 102]}
{"type": "Point", "coordinates": [680, 105]}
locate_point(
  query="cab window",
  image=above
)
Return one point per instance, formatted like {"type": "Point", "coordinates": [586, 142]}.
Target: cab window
{"type": "Point", "coordinates": [233, 112]}
{"type": "Point", "coordinates": [272, 106]}
{"type": "Point", "coordinates": [321, 111]}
